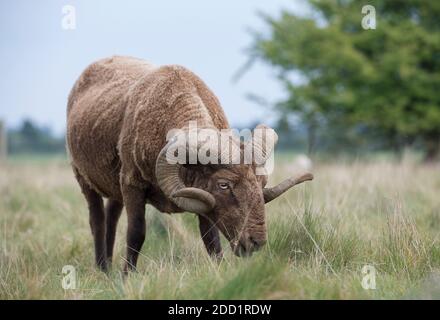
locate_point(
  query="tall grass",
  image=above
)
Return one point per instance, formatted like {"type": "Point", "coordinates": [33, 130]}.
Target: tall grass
{"type": "Point", "coordinates": [381, 213]}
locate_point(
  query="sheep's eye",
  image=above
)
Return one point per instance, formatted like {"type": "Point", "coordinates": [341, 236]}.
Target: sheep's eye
{"type": "Point", "coordinates": [223, 185]}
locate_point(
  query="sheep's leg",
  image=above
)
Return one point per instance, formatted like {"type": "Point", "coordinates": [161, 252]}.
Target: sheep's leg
{"type": "Point", "coordinates": [96, 220]}
{"type": "Point", "coordinates": [113, 211]}
{"type": "Point", "coordinates": [210, 236]}
{"type": "Point", "coordinates": [134, 201]}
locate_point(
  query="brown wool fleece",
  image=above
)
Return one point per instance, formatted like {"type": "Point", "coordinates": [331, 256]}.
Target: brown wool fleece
{"type": "Point", "coordinates": [119, 113]}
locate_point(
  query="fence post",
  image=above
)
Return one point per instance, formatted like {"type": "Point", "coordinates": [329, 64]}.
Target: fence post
{"type": "Point", "coordinates": [3, 141]}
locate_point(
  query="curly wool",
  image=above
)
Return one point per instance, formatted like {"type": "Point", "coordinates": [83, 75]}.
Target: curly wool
{"type": "Point", "coordinates": [119, 113]}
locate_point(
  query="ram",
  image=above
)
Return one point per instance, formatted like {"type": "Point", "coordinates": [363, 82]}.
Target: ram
{"type": "Point", "coordinates": [119, 115]}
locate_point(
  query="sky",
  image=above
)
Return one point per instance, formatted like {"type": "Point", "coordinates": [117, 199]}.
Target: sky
{"type": "Point", "coordinates": [40, 60]}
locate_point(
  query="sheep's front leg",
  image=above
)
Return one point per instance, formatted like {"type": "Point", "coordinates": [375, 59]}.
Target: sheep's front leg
{"type": "Point", "coordinates": [134, 201]}
{"type": "Point", "coordinates": [211, 237]}
{"type": "Point", "coordinates": [113, 211]}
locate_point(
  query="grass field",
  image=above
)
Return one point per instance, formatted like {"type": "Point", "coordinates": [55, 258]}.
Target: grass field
{"type": "Point", "coordinates": [381, 213]}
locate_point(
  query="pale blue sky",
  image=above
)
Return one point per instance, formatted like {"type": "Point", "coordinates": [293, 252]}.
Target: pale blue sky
{"type": "Point", "coordinates": [39, 60]}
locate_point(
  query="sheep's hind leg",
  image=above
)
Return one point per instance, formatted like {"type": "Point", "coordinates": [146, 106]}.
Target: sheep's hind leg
{"type": "Point", "coordinates": [113, 210]}
{"type": "Point", "coordinates": [96, 219]}
{"type": "Point", "coordinates": [211, 238]}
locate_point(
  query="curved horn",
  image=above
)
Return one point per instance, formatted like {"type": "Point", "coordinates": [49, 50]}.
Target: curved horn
{"type": "Point", "coordinates": [168, 177]}
{"type": "Point", "coordinates": [274, 192]}
{"type": "Point", "coordinates": [186, 196]}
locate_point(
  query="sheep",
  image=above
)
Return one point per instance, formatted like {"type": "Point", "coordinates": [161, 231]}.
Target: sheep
{"type": "Point", "coordinates": [303, 162]}
{"type": "Point", "coordinates": [119, 114]}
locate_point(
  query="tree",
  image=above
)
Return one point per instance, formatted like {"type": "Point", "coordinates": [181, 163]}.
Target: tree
{"type": "Point", "coordinates": [31, 138]}
{"type": "Point", "coordinates": [384, 82]}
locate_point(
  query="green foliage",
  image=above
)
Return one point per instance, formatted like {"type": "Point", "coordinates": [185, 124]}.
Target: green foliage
{"type": "Point", "coordinates": [30, 138]}
{"type": "Point", "coordinates": [384, 81]}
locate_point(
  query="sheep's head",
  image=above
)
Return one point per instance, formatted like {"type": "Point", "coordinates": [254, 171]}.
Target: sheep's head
{"type": "Point", "coordinates": [232, 196]}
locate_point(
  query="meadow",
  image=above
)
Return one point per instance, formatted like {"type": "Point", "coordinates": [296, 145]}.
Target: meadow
{"type": "Point", "coordinates": [379, 212]}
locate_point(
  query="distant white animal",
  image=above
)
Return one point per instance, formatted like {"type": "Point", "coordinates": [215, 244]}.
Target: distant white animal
{"type": "Point", "coordinates": [303, 162]}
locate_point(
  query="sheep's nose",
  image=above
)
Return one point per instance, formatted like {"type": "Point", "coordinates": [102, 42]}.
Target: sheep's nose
{"type": "Point", "coordinates": [257, 243]}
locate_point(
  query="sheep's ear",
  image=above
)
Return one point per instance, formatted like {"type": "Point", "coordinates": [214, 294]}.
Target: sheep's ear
{"type": "Point", "coordinates": [275, 192]}
{"type": "Point", "coordinates": [194, 200]}
{"type": "Point", "coordinates": [262, 179]}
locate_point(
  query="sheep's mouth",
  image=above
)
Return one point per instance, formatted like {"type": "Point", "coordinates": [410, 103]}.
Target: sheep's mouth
{"type": "Point", "coordinates": [241, 250]}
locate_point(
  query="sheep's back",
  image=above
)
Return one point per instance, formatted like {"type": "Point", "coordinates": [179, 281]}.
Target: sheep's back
{"type": "Point", "coordinates": [95, 115]}
{"type": "Point", "coordinates": [119, 113]}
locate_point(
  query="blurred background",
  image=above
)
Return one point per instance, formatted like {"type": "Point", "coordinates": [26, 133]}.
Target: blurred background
{"type": "Point", "coordinates": [308, 67]}
{"type": "Point", "coordinates": [352, 91]}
